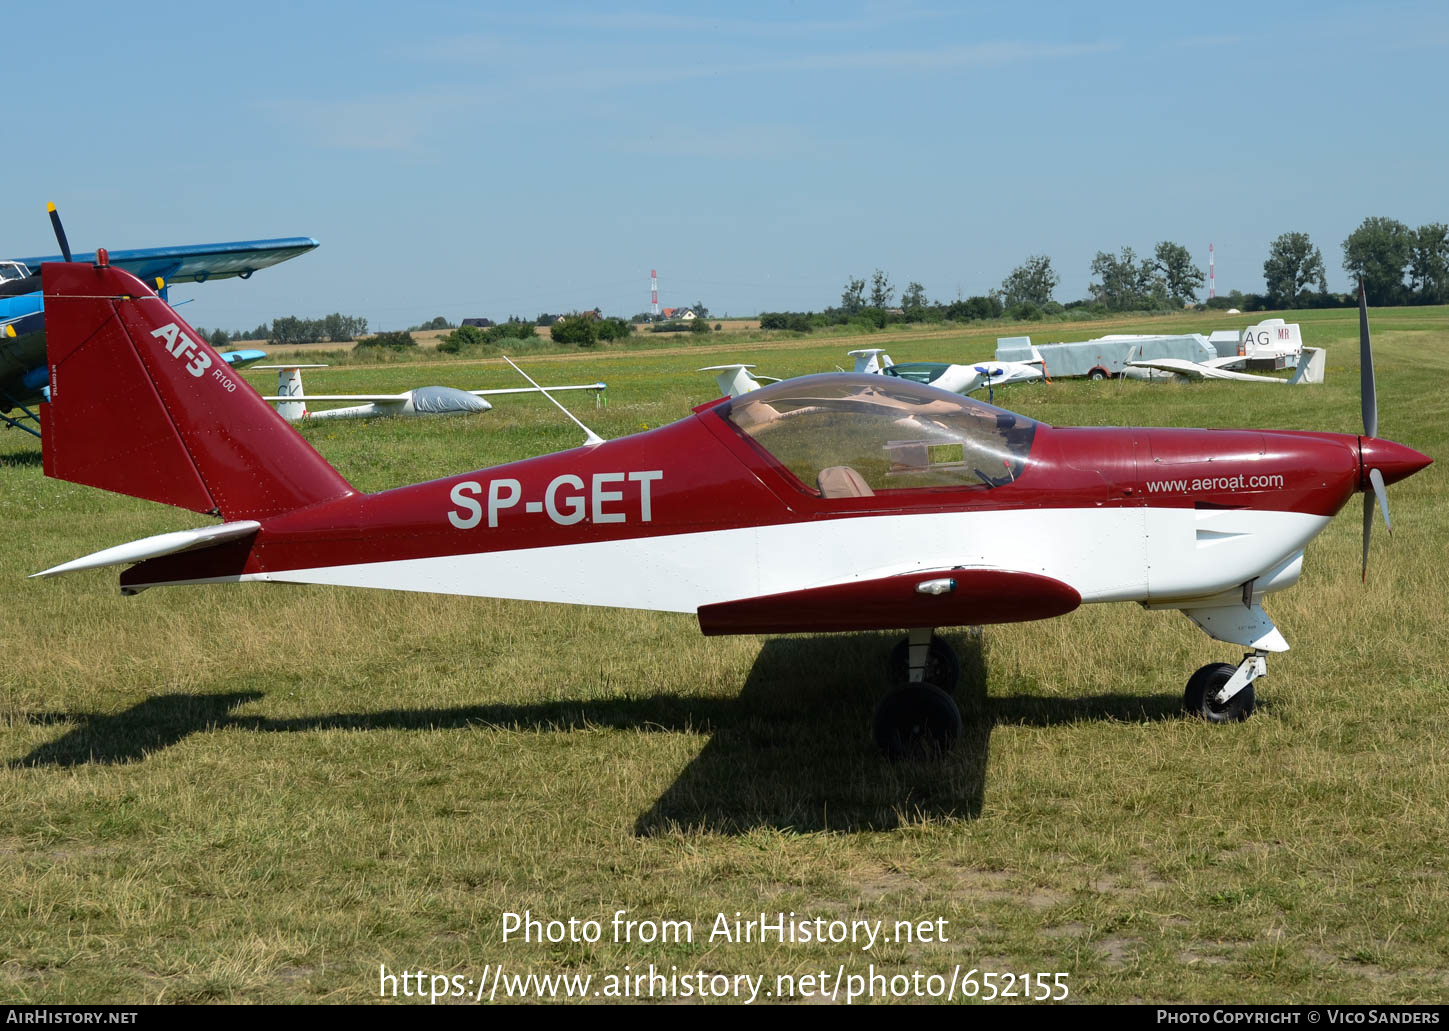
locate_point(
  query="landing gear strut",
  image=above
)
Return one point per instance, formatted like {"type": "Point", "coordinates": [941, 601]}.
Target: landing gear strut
{"type": "Point", "coordinates": [919, 720]}
{"type": "Point", "coordinates": [1223, 693]}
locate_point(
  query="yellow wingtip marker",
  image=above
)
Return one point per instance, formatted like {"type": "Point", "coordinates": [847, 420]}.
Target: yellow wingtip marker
{"type": "Point", "coordinates": [10, 331]}
{"type": "Point", "coordinates": [49, 206]}
{"type": "Point", "coordinates": [160, 283]}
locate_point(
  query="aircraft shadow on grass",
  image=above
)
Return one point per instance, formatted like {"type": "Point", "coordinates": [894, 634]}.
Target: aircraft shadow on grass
{"type": "Point", "coordinates": [24, 457]}
{"type": "Point", "coordinates": [792, 751]}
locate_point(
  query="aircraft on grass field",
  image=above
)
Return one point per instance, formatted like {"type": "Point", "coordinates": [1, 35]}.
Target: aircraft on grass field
{"type": "Point", "coordinates": [291, 402]}
{"type": "Point", "coordinates": [748, 512]}
{"type": "Point", "coordinates": [735, 380]}
{"type": "Point", "coordinates": [959, 379]}
{"type": "Point", "coordinates": [24, 375]}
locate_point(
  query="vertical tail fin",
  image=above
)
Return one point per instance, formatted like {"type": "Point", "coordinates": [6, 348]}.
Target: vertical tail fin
{"type": "Point", "coordinates": [289, 384]}
{"type": "Point", "coordinates": [140, 404]}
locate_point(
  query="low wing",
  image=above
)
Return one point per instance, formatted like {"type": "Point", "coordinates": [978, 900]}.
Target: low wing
{"type": "Point", "coordinates": [376, 399]}
{"type": "Point", "coordinates": [1180, 366]}
{"type": "Point", "coordinates": [953, 597]}
{"type": "Point", "coordinates": [1195, 370]}
{"type": "Point", "coordinates": [196, 263]}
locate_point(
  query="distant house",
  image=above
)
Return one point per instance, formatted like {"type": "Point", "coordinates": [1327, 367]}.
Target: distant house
{"type": "Point", "coordinates": [688, 314]}
{"type": "Point", "coordinates": [668, 313]}
{"type": "Point", "coordinates": [480, 323]}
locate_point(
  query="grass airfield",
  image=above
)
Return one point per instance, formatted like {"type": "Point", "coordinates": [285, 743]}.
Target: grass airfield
{"type": "Point", "coordinates": [261, 793]}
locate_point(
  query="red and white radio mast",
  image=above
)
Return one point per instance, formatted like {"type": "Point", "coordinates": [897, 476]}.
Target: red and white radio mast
{"type": "Point", "coordinates": [1212, 283]}
{"type": "Point", "coordinates": [653, 292]}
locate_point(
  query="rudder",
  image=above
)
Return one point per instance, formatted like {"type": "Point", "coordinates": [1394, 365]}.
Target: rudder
{"type": "Point", "coordinates": [140, 404]}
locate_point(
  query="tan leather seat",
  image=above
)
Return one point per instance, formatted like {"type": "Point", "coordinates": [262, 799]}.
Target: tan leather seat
{"type": "Point", "coordinates": [841, 481]}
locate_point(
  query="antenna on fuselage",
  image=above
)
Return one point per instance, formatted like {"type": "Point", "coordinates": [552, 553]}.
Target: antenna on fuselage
{"type": "Point", "coordinates": [590, 437]}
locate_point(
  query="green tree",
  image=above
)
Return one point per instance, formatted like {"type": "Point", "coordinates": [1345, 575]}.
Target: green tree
{"type": "Point", "coordinates": [1377, 252]}
{"type": "Point", "coordinates": [397, 340]}
{"type": "Point", "coordinates": [1429, 263]}
{"type": "Point", "coordinates": [1033, 280]}
{"type": "Point", "coordinates": [219, 339]}
{"type": "Point", "coordinates": [913, 300]}
{"type": "Point", "coordinates": [1126, 284]}
{"type": "Point", "coordinates": [463, 336]}
{"type": "Point", "coordinates": [575, 329]}
{"type": "Point", "coordinates": [881, 290]}
{"type": "Point", "coordinates": [852, 298]}
{"type": "Point", "coordinates": [1175, 273]}
{"type": "Point", "coordinates": [1293, 265]}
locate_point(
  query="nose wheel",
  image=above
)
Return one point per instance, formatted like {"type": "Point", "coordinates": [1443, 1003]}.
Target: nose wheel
{"type": "Point", "coordinates": [918, 719]}
{"type": "Point", "coordinates": [1223, 693]}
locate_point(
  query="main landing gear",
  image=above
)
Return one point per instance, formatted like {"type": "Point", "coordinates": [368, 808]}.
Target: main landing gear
{"type": "Point", "coordinates": [1223, 693]}
{"type": "Point", "coordinates": [919, 719]}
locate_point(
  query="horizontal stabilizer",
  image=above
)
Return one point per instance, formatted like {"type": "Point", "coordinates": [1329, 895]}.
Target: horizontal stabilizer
{"type": "Point", "coordinates": [155, 547]}
{"type": "Point", "coordinates": [954, 597]}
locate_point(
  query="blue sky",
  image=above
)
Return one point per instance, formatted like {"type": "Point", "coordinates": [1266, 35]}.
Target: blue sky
{"type": "Point", "coordinates": [495, 159]}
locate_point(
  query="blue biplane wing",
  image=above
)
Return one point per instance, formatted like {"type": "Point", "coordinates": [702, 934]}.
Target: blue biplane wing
{"type": "Point", "coordinates": [197, 263]}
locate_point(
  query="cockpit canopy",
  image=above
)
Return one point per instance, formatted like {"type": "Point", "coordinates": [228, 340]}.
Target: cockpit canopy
{"type": "Point", "coordinates": [851, 435]}
{"type": "Point", "coordinates": [12, 270]}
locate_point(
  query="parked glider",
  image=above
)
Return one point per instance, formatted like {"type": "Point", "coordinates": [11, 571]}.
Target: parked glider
{"type": "Point", "coordinates": [292, 402]}
{"type": "Point", "coordinates": [23, 372]}
{"type": "Point", "coordinates": [959, 379]}
{"type": "Point", "coordinates": [748, 512]}
{"type": "Point", "coordinates": [1309, 370]}
{"type": "Point", "coordinates": [735, 380]}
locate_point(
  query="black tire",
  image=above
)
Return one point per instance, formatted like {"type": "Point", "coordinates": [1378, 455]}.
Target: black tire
{"type": "Point", "coordinates": [943, 668]}
{"type": "Point", "coordinates": [1097, 374]}
{"type": "Point", "coordinates": [918, 721]}
{"type": "Point", "coordinates": [1208, 681]}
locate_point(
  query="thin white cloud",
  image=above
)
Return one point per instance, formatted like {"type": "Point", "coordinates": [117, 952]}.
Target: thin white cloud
{"type": "Point", "coordinates": [407, 121]}
{"type": "Point", "coordinates": [401, 122]}
{"type": "Point", "coordinates": [740, 142]}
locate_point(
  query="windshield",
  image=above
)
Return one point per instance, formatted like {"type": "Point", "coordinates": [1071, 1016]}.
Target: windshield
{"type": "Point", "coordinates": [12, 270]}
{"type": "Point", "coordinates": [848, 435]}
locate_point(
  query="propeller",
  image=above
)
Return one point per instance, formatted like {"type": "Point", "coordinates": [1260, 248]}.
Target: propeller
{"type": "Point", "coordinates": [59, 231]}
{"type": "Point", "coordinates": [1368, 400]}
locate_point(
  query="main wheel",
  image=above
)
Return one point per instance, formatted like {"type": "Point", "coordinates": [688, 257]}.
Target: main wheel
{"type": "Point", "coordinates": [918, 721]}
{"type": "Point", "coordinates": [1097, 374]}
{"type": "Point", "coordinates": [943, 668]}
{"type": "Point", "coordinates": [1207, 682]}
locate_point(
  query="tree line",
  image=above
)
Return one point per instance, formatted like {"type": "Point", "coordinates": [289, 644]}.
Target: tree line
{"type": "Point", "coordinates": [1398, 265]}
{"type": "Point", "coordinates": [335, 328]}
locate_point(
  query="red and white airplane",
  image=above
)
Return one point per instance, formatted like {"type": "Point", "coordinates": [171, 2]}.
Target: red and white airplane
{"type": "Point", "coordinates": [747, 512]}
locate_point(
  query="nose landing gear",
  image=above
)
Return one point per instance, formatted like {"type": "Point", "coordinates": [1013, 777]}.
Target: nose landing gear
{"type": "Point", "coordinates": [1223, 693]}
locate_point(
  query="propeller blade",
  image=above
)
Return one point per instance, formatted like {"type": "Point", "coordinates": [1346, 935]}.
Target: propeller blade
{"type": "Point", "coordinates": [1368, 397]}
{"type": "Point", "coordinates": [59, 231]}
{"type": "Point", "coordinates": [1377, 479]}
{"type": "Point", "coordinates": [1368, 527]}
